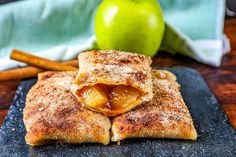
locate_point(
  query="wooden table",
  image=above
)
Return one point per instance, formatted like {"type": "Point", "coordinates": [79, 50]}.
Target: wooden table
{"type": "Point", "coordinates": [222, 81]}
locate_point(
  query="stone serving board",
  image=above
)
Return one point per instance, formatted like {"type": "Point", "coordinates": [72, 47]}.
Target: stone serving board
{"type": "Point", "coordinates": [215, 136]}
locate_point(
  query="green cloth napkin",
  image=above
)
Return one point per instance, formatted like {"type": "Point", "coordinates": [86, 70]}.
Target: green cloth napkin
{"type": "Point", "coordinates": [195, 29]}
{"type": "Point", "coordinates": [60, 29]}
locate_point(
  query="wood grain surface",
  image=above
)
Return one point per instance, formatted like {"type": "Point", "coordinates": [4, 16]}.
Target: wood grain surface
{"type": "Point", "coordinates": [221, 81]}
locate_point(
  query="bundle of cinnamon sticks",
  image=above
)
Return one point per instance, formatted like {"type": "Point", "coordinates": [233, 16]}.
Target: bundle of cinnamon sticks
{"type": "Point", "coordinates": [37, 65]}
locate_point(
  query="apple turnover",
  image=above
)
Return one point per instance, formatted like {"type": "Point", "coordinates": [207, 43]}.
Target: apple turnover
{"type": "Point", "coordinates": [112, 82]}
{"type": "Point", "coordinates": [52, 113]}
{"type": "Point", "coordinates": [165, 116]}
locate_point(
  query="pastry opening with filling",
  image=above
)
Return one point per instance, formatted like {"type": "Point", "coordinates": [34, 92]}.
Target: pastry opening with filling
{"type": "Point", "coordinates": [112, 99]}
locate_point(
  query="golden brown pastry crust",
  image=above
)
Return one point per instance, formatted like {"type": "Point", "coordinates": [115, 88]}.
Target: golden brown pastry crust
{"type": "Point", "coordinates": [114, 68]}
{"type": "Point", "coordinates": [52, 113]}
{"type": "Point", "coordinates": [165, 116]}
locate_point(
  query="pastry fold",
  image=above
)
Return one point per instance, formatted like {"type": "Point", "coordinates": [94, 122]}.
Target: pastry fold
{"type": "Point", "coordinates": [112, 82]}
{"type": "Point", "coordinates": [165, 116]}
{"type": "Point", "coordinates": [52, 113]}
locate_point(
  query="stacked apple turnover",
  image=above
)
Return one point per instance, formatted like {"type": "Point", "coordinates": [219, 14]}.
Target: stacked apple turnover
{"type": "Point", "coordinates": [113, 82]}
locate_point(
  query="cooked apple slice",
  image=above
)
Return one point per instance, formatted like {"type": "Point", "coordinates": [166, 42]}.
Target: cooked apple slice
{"type": "Point", "coordinates": [110, 100]}
{"type": "Point", "coordinates": [94, 96]}
{"type": "Point", "coordinates": [123, 96]}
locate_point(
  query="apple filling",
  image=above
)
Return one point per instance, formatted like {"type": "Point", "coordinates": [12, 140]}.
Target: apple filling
{"type": "Point", "coordinates": [110, 100]}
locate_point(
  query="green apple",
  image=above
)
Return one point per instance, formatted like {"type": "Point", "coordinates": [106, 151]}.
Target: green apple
{"type": "Point", "coordinates": [129, 25]}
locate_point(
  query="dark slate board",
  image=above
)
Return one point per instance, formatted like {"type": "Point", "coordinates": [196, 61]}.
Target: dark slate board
{"type": "Point", "coordinates": [216, 136]}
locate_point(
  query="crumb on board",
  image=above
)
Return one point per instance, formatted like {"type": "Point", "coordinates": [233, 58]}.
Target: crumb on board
{"type": "Point", "coordinates": [118, 143]}
{"type": "Point", "coordinates": [13, 129]}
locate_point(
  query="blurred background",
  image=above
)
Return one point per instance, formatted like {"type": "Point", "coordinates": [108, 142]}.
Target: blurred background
{"type": "Point", "coordinates": [230, 7]}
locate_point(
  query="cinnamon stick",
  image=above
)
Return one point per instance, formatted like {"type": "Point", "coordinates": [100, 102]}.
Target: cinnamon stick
{"type": "Point", "coordinates": [28, 72]}
{"type": "Point", "coordinates": [39, 61]}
